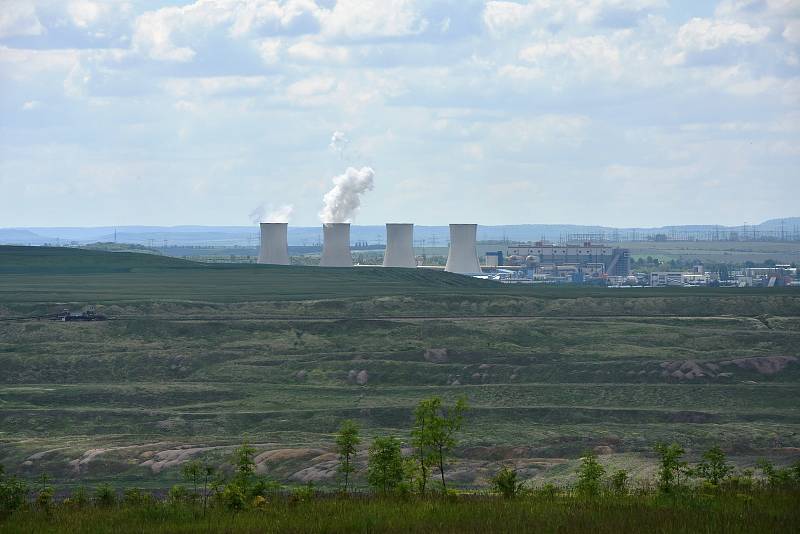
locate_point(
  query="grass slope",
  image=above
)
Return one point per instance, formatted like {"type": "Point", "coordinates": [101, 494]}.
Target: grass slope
{"type": "Point", "coordinates": [203, 355]}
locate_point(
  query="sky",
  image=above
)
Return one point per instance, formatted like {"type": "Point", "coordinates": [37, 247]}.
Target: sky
{"type": "Point", "coordinates": [612, 112]}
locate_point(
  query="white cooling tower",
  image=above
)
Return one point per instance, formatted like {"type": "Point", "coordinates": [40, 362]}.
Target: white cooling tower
{"type": "Point", "coordinates": [463, 257]}
{"type": "Point", "coordinates": [274, 247]}
{"type": "Point", "coordinates": [399, 246]}
{"type": "Point", "coordinates": [336, 245]}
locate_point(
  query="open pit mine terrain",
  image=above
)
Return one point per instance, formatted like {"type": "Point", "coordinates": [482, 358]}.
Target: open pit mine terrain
{"type": "Point", "coordinates": [194, 358]}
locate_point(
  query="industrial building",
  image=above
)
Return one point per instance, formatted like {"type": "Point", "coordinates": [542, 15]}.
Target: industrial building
{"type": "Point", "coordinates": [588, 259]}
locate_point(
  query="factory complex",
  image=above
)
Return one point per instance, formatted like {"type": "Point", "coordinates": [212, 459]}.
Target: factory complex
{"type": "Point", "coordinates": [539, 262]}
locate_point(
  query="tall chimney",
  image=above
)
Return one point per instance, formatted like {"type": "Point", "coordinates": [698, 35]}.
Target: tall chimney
{"type": "Point", "coordinates": [463, 257]}
{"type": "Point", "coordinates": [274, 248]}
{"type": "Point", "coordinates": [399, 246]}
{"type": "Point", "coordinates": [336, 245]}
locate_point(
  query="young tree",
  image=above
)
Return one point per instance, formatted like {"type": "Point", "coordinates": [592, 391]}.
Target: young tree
{"type": "Point", "coordinates": [434, 434]}
{"type": "Point", "coordinates": [208, 473]}
{"type": "Point", "coordinates": [670, 466]}
{"type": "Point", "coordinates": [424, 414]}
{"type": "Point", "coordinates": [236, 493]}
{"type": "Point", "coordinates": [193, 472]}
{"type": "Point", "coordinates": [347, 441]}
{"type": "Point", "coordinates": [590, 474]}
{"type": "Point", "coordinates": [385, 470]}
{"type": "Point", "coordinates": [506, 484]}
{"type": "Point", "coordinates": [713, 467]}
{"type": "Point", "coordinates": [243, 465]}
{"type": "Point", "coordinates": [774, 476]}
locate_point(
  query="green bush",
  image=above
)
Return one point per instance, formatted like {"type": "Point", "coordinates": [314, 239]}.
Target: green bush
{"type": "Point", "coordinates": [619, 482]}
{"type": "Point", "coordinates": [12, 493]}
{"type": "Point", "coordinates": [714, 469]}
{"type": "Point", "coordinates": [506, 484]}
{"type": "Point", "coordinates": [105, 496]}
{"type": "Point", "coordinates": [137, 497]}
{"type": "Point", "coordinates": [590, 475]}
{"type": "Point", "coordinates": [178, 494]}
{"type": "Point", "coordinates": [671, 467]}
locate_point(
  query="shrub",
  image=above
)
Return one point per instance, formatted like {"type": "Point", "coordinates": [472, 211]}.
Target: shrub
{"type": "Point", "coordinates": [671, 467]}
{"type": "Point", "coordinates": [136, 497]}
{"type": "Point", "coordinates": [178, 494]}
{"type": "Point", "coordinates": [234, 497]}
{"type": "Point", "coordinates": [385, 470]}
{"type": "Point", "coordinates": [714, 468]}
{"type": "Point", "coordinates": [105, 496]}
{"type": "Point", "coordinates": [264, 487]}
{"type": "Point", "coordinates": [590, 475]}
{"type": "Point", "coordinates": [303, 493]}
{"type": "Point", "coordinates": [773, 475]}
{"type": "Point", "coordinates": [12, 493]}
{"type": "Point", "coordinates": [619, 481]}
{"type": "Point", "coordinates": [506, 484]}
{"type": "Point", "coordinates": [79, 497]}
{"type": "Point", "coordinates": [548, 491]}
{"type": "Point", "coordinates": [44, 498]}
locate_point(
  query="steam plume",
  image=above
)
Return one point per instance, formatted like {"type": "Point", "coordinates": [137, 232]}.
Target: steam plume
{"type": "Point", "coordinates": [280, 214]}
{"type": "Point", "coordinates": [339, 142]}
{"type": "Point", "coordinates": [342, 202]}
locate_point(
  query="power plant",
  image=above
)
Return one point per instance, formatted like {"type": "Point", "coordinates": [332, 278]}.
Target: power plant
{"type": "Point", "coordinates": [336, 245]}
{"type": "Point", "coordinates": [535, 262]}
{"type": "Point", "coordinates": [463, 256]}
{"type": "Point", "coordinates": [399, 246]}
{"type": "Point", "coordinates": [274, 244]}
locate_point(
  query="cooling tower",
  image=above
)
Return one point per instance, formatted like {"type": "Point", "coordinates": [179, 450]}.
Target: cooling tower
{"type": "Point", "coordinates": [399, 246]}
{"type": "Point", "coordinates": [274, 248]}
{"type": "Point", "coordinates": [463, 257]}
{"type": "Point", "coordinates": [336, 245]}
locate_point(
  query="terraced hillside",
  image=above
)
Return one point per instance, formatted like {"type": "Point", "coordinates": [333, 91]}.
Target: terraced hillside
{"type": "Point", "coordinates": [197, 357]}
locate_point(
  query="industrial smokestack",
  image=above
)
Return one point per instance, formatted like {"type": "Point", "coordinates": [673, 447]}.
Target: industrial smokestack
{"type": "Point", "coordinates": [336, 245]}
{"type": "Point", "coordinates": [463, 257]}
{"type": "Point", "coordinates": [399, 246]}
{"type": "Point", "coordinates": [274, 248]}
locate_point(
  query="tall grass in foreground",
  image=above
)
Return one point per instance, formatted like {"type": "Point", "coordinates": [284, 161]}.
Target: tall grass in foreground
{"type": "Point", "coordinates": [762, 510]}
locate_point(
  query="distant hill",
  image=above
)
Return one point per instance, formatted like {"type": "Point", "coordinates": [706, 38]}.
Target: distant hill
{"type": "Point", "coordinates": [158, 236]}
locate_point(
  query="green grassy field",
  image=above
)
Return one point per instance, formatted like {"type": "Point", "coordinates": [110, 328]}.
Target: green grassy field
{"type": "Point", "coordinates": [766, 511]}
{"type": "Point", "coordinates": [197, 357]}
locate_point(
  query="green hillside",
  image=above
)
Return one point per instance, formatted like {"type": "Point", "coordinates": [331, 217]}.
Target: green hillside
{"type": "Point", "coordinates": [195, 357]}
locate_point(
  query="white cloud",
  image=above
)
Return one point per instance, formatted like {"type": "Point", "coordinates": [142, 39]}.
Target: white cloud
{"type": "Point", "coordinates": [18, 17]}
{"type": "Point", "coordinates": [707, 34]}
{"type": "Point", "coordinates": [366, 19]}
{"type": "Point", "coordinates": [309, 87]}
{"type": "Point", "coordinates": [270, 50]}
{"type": "Point", "coordinates": [504, 17]}
{"type": "Point", "coordinates": [31, 105]}
{"type": "Point", "coordinates": [792, 31]}
{"type": "Point", "coordinates": [85, 13]}
{"type": "Point", "coordinates": [211, 86]}
{"type": "Point", "coordinates": [313, 52]}
{"type": "Point", "coordinates": [593, 53]}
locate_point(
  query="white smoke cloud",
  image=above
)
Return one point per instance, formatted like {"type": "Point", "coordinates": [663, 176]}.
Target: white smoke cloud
{"type": "Point", "coordinates": [339, 142]}
{"type": "Point", "coordinates": [280, 214]}
{"type": "Point", "coordinates": [342, 202]}
{"type": "Point", "coordinates": [257, 215]}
